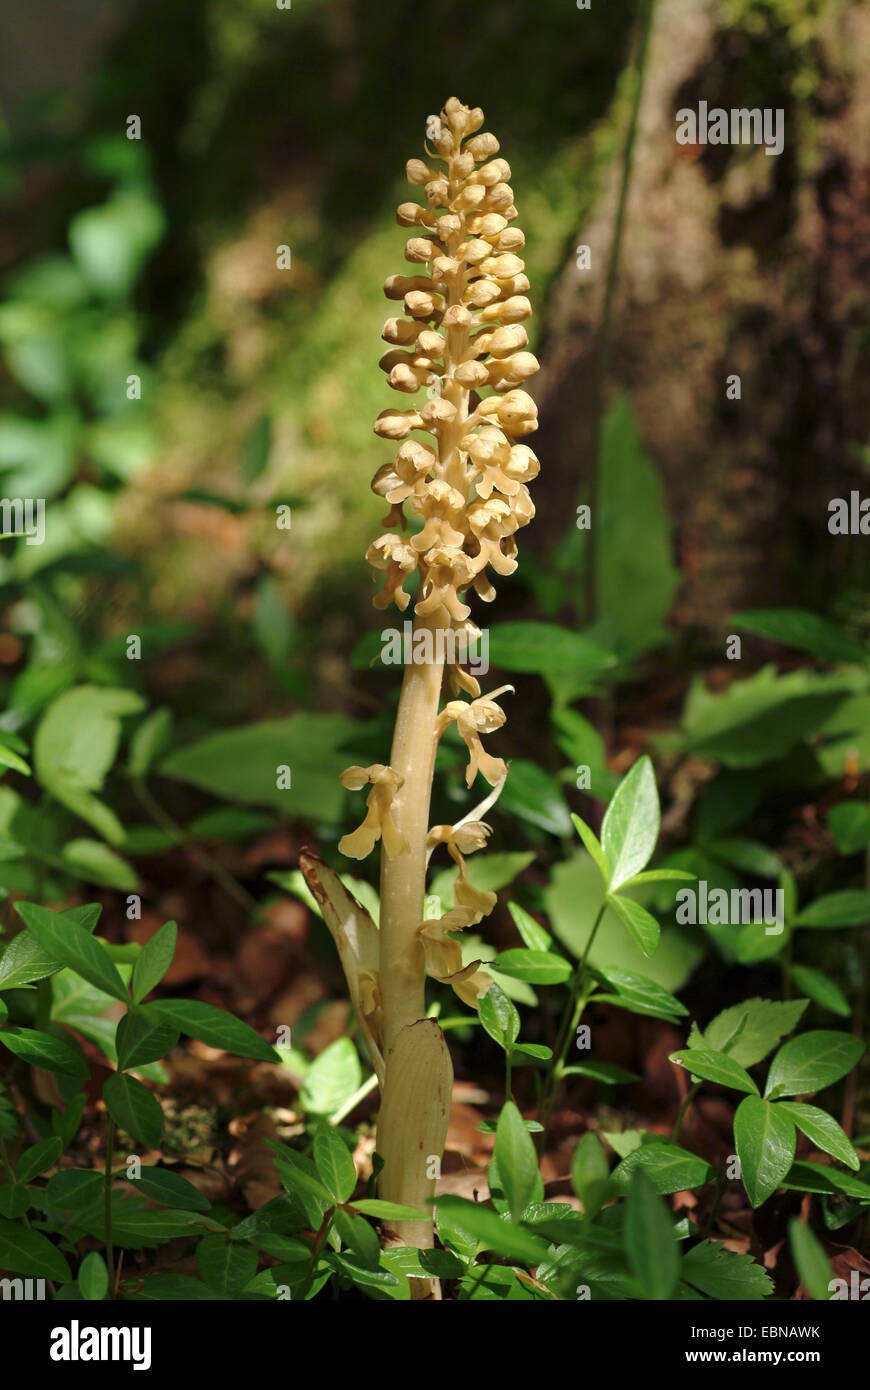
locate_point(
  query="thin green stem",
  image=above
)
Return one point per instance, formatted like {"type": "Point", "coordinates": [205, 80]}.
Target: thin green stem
{"type": "Point", "coordinates": [687, 1101]}
{"type": "Point", "coordinates": [577, 1001]}
{"type": "Point", "coordinates": [365, 1090]}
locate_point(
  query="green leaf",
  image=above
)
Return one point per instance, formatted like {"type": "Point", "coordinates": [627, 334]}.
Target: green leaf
{"type": "Point", "coordinates": [851, 908]}
{"type": "Point", "coordinates": [94, 862]}
{"type": "Point", "coordinates": [499, 1017]}
{"type": "Point", "coordinates": [37, 1158]}
{"type": "Point", "coordinates": [25, 1251]}
{"type": "Point", "coordinates": [650, 1246]}
{"type": "Point", "coordinates": [607, 1072]}
{"type": "Point", "coordinates": [748, 1031]}
{"type": "Point", "coordinates": [45, 1050]}
{"type": "Point", "coordinates": [360, 1274]}
{"type": "Point", "coordinates": [821, 989]}
{"type": "Point", "coordinates": [668, 1167]}
{"type": "Point", "coordinates": [808, 632]}
{"type": "Point", "coordinates": [765, 1140]}
{"type": "Point", "coordinates": [111, 242]}
{"type": "Point", "coordinates": [636, 989]}
{"type": "Point", "coordinates": [535, 967]}
{"type": "Point", "coordinates": [333, 1077]}
{"type": "Point", "coordinates": [14, 1200]}
{"type": "Point", "coordinates": [388, 1211]}
{"type": "Point", "coordinates": [850, 826]}
{"type": "Point", "coordinates": [718, 1067]}
{"type": "Point", "coordinates": [593, 846]}
{"type": "Point", "coordinates": [289, 1249]}
{"type": "Point", "coordinates": [636, 578]}
{"type": "Point", "coordinates": [93, 1277]}
{"type": "Point", "coordinates": [140, 1040]}
{"type": "Point", "coordinates": [255, 450]}
{"type": "Point", "coordinates": [660, 876]}
{"type": "Point", "coordinates": [517, 1160]}
{"type": "Point", "coordinates": [241, 764]}
{"type": "Point", "coordinates": [11, 760]}
{"type": "Point", "coordinates": [723, 1274]}
{"type": "Point", "coordinates": [810, 1260]}
{"type": "Point", "coordinates": [569, 661]}
{"type": "Point", "coordinates": [535, 796]}
{"type": "Point", "coordinates": [811, 1062]}
{"type": "Point", "coordinates": [209, 1024]}
{"type": "Point", "coordinates": [822, 1178]}
{"type": "Point", "coordinates": [133, 1107]}
{"type": "Point", "coordinates": [154, 961]}
{"type": "Point", "coordinates": [823, 1130]}
{"type": "Point", "coordinates": [73, 945]}
{"type": "Point", "coordinates": [75, 1192]}
{"type": "Point", "coordinates": [150, 740]}
{"type": "Point", "coordinates": [572, 900]}
{"type": "Point", "coordinates": [333, 1162]}
{"type": "Point", "coordinates": [490, 1231]}
{"type": "Point", "coordinates": [169, 1189]}
{"type": "Point", "coordinates": [759, 720]}
{"type": "Point", "coordinates": [748, 856]}
{"type": "Point", "coordinates": [225, 1265]}
{"type": "Point", "coordinates": [533, 934]}
{"type": "Point", "coordinates": [643, 926]}
{"type": "Point", "coordinates": [630, 827]}
{"type": "Point", "coordinates": [360, 1237]}
{"type": "Point", "coordinates": [298, 1173]}
{"type": "Point", "coordinates": [590, 1174]}
{"type": "Point", "coordinates": [75, 745]}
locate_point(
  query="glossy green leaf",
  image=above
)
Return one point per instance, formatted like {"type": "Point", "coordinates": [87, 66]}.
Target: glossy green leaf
{"type": "Point", "coordinates": [668, 1167]}
{"type": "Point", "coordinates": [811, 1062]}
{"type": "Point", "coordinates": [725, 1275]}
{"type": "Point", "coordinates": [169, 1189]}
{"type": "Point", "coordinates": [535, 967]}
{"type": "Point", "coordinates": [517, 1160]}
{"type": "Point", "coordinates": [154, 960]}
{"type": "Point", "coordinates": [592, 844]}
{"type": "Point", "coordinates": [590, 1174]}
{"type": "Point", "coordinates": [45, 1050]}
{"type": "Point", "coordinates": [499, 1017]}
{"type": "Point", "coordinates": [490, 1231]}
{"type": "Point", "coordinates": [73, 946]}
{"type": "Point", "coordinates": [533, 934]}
{"type": "Point", "coordinates": [334, 1163]}
{"type": "Point", "coordinates": [133, 1107]}
{"type": "Point", "coordinates": [37, 1158]}
{"type": "Point", "coordinates": [822, 1129]}
{"type": "Point", "coordinates": [630, 827]}
{"type": "Point", "coordinates": [718, 1067]}
{"type": "Point", "coordinates": [93, 1277]}
{"type": "Point", "coordinates": [25, 1251]}
{"type": "Point", "coordinates": [643, 926]}
{"type": "Point", "coordinates": [765, 1140]}
{"type": "Point", "coordinates": [821, 989]}
{"type": "Point", "coordinates": [650, 1246]}
{"type": "Point", "coordinates": [225, 1265]}
{"type": "Point", "coordinates": [811, 1262]}
{"type": "Point", "coordinates": [851, 908]}
{"type": "Point", "coordinates": [209, 1024]}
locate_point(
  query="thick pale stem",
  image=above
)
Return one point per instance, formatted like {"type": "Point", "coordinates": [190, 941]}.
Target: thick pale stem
{"type": "Point", "coordinates": [411, 1108]}
{"type": "Point", "coordinates": [403, 879]}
